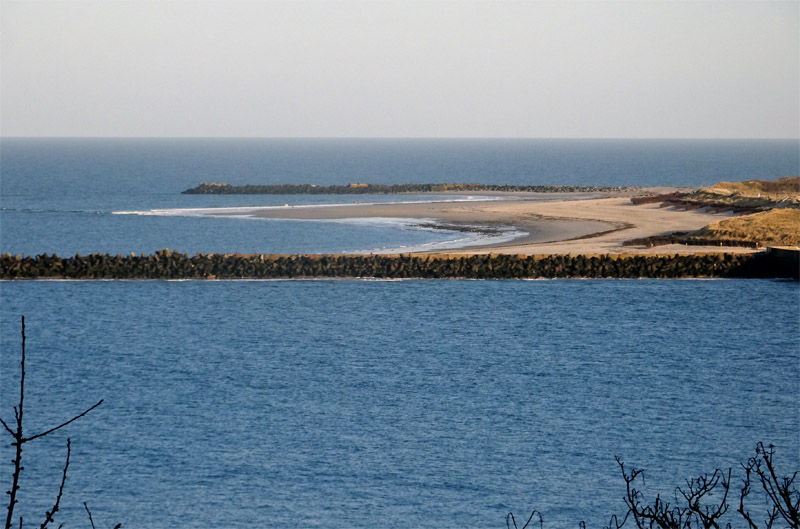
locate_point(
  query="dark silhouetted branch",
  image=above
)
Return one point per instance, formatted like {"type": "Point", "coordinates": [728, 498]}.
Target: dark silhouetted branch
{"type": "Point", "coordinates": [614, 522]}
{"type": "Point", "coordinates": [20, 439]}
{"type": "Point", "coordinates": [511, 520]}
{"type": "Point", "coordinates": [784, 498]}
{"type": "Point", "coordinates": [54, 510]}
{"type": "Point", "coordinates": [92, 521]}
{"type": "Point", "coordinates": [51, 430]}
{"type": "Point", "coordinates": [698, 488]}
{"type": "Point", "coordinates": [9, 430]}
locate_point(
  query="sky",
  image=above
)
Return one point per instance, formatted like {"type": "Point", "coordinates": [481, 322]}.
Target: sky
{"type": "Point", "coordinates": [400, 68]}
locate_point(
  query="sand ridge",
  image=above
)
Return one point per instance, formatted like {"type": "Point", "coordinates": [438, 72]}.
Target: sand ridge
{"type": "Point", "coordinates": [555, 224]}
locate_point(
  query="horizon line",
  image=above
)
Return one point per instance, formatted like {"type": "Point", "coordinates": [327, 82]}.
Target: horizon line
{"type": "Point", "coordinates": [627, 138]}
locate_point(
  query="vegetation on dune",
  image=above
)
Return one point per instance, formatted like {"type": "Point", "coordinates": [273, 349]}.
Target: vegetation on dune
{"type": "Point", "coordinates": [745, 197]}
{"type": "Point", "coordinates": [779, 226]}
{"type": "Point", "coordinates": [774, 227]}
{"type": "Point", "coordinates": [776, 189]}
{"type": "Point", "coordinates": [763, 194]}
{"type": "Point", "coordinates": [770, 214]}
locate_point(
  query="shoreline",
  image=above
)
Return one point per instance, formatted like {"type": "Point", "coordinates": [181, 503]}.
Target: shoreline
{"type": "Point", "coordinates": [553, 223]}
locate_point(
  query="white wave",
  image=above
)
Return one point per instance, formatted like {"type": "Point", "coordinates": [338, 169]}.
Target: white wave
{"type": "Point", "coordinates": [244, 211]}
{"type": "Point", "coordinates": [467, 239]}
{"type": "Point", "coordinates": [468, 235]}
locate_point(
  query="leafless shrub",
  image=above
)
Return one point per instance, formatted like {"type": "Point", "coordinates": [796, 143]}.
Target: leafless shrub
{"type": "Point", "coordinates": [703, 501]}
{"type": "Point", "coordinates": [18, 433]}
{"type": "Point", "coordinates": [783, 496]}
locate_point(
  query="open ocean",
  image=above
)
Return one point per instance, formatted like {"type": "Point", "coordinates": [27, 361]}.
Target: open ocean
{"type": "Point", "coordinates": [355, 403]}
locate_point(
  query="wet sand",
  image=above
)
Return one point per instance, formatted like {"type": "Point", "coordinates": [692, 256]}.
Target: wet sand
{"type": "Point", "coordinates": [563, 224]}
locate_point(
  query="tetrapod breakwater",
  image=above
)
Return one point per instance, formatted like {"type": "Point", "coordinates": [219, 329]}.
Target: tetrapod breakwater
{"type": "Point", "coordinates": [166, 264]}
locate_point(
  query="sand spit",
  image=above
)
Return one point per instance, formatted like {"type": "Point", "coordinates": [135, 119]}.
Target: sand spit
{"type": "Point", "coordinates": [553, 224]}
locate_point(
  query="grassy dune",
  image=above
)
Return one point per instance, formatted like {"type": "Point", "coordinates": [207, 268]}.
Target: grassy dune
{"type": "Point", "coordinates": [772, 216]}
{"type": "Point", "coordinates": [779, 226]}
{"type": "Point", "coordinates": [781, 193]}
{"type": "Point", "coordinates": [782, 187]}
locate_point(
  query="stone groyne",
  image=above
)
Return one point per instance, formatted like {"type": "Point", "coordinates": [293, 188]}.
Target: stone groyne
{"type": "Point", "coordinates": [379, 189]}
{"type": "Point", "coordinates": [173, 265]}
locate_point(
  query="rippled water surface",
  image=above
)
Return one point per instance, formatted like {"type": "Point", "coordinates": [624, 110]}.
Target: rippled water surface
{"type": "Point", "coordinates": [348, 404]}
{"type": "Point", "coordinates": [360, 404]}
{"type": "Point", "coordinates": [59, 195]}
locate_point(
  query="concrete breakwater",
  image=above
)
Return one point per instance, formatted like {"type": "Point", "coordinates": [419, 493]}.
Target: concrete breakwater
{"type": "Point", "coordinates": [167, 264]}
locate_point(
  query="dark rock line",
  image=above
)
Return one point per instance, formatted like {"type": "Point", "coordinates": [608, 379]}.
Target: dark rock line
{"type": "Point", "coordinates": [364, 189]}
{"type": "Point", "coordinates": [173, 265]}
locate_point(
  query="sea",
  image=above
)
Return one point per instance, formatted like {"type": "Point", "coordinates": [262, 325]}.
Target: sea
{"type": "Point", "coordinates": [366, 403]}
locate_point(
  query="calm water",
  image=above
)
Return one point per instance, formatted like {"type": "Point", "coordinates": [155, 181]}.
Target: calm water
{"type": "Point", "coordinates": [354, 404]}
{"type": "Point", "coordinates": [59, 195]}
{"type": "Point", "coordinates": [401, 404]}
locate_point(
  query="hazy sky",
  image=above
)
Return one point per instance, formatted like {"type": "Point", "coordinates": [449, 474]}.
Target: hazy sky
{"type": "Point", "coordinates": [400, 68]}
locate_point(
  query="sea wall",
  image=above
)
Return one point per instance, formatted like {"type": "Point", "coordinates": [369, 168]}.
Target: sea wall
{"type": "Point", "coordinates": [173, 265]}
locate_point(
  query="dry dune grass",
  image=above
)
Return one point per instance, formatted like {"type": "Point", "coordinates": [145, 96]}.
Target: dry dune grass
{"type": "Point", "coordinates": [783, 192]}
{"type": "Point", "coordinates": [780, 226]}
{"type": "Point", "coordinates": [789, 186]}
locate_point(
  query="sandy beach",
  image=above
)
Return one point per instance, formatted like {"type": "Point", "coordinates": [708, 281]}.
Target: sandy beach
{"type": "Point", "coordinates": [551, 223]}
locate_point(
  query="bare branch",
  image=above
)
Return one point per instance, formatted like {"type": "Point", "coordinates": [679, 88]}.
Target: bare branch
{"type": "Point", "coordinates": [51, 430]}
{"type": "Point", "coordinates": [12, 494]}
{"type": "Point", "coordinates": [20, 439]}
{"type": "Point", "coordinates": [783, 496]}
{"type": "Point", "coordinates": [21, 381]}
{"type": "Point", "coordinates": [510, 518]}
{"type": "Point", "coordinates": [50, 514]}
{"type": "Point", "coordinates": [9, 430]}
{"type": "Point", "coordinates": [696, 504]}
{"type": "Point", "coordinates": [743, 494]}
{"type": "Point", "coordinates": [615, 521]}
{"type": "Point", "coordinates": [89, 513]}
{"type": "Point", "coordinates": [704, 485]}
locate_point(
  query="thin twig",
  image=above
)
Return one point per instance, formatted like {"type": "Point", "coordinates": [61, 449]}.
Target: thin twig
{"type": "Point", "coordinates": [89, 513]}
{"type": "Point", "coordinates": [51, 430]}
{"type": "Point", "coordinates": [18, 439]}
{"type": "Point", "coordinates": [510, 518]}
{"type": "Point", "coordinates": [60, 491]}
{"type": "Point", "coordinates": [9, 430]}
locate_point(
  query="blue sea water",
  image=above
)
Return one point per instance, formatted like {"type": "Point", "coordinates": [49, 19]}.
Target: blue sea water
{"type": "Point", "coordinates": [59, 195]}
{"type": "Point", "coordinates": [350, 404]}
{"type": "Point", "coordinates": [347, 404]}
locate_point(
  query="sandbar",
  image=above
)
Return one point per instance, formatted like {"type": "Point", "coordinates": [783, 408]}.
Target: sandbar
{"type": "Point", "coordinates": [549, 223]}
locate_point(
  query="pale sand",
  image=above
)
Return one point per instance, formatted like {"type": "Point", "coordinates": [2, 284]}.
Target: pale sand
{"type": "Point", "coordinates": [573, 226]}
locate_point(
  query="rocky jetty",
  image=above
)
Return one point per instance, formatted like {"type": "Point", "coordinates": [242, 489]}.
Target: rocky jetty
{"type": "Point", "coordinates": [167, 264]}
{"type": "Point", "coordinates": [377, 189]}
